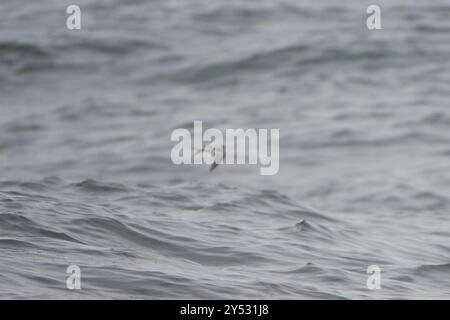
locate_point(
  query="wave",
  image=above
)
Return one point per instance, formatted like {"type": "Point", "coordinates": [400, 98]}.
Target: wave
{"type": "Point", "coordinates": [185, 224]}
{"type": "Point", "coordinates": [297, 56]}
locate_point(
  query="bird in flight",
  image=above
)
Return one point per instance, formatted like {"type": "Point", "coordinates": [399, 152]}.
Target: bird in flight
{"type": "Point", "coordinates": [216, 151]}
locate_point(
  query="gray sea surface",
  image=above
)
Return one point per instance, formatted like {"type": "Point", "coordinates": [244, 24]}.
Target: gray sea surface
{"type": "Point", "coordinates": [86, 177]}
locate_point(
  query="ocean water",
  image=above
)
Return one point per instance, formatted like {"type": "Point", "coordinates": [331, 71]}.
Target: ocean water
{"type": "Point", "coordinates": [86, 177]}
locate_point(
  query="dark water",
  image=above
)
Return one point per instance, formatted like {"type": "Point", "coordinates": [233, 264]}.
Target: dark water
{"type": "Point", "coordinates": [86, 177]}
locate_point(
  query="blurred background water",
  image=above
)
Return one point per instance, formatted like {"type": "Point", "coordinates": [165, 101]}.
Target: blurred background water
{"type": "Point", "coordinates": [86, 176]}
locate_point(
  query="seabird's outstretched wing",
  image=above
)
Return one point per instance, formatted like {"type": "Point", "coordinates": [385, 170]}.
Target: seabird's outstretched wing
{"type": "Point", "coordinates": [213, 166]}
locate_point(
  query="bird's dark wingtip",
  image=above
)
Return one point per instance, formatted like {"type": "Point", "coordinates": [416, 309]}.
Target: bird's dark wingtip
{"type": "Point", "coordinates": [213, 166]}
